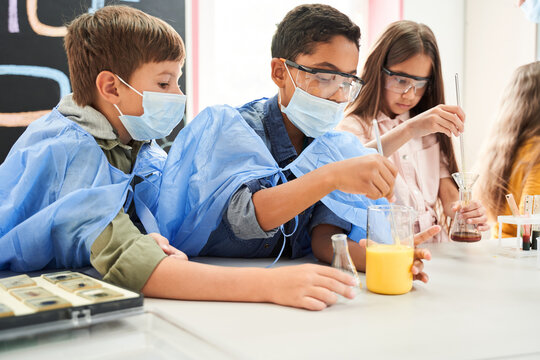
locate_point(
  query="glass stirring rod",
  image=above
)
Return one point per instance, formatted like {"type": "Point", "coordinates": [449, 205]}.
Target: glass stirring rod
{"type": "Point", "coordinates": [393, 227]}
{"type": "Point", "coordinates": [461, 138]}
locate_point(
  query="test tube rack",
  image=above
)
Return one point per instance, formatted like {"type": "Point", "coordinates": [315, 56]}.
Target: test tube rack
{"type": "Point", "coordinates": [515, 251]}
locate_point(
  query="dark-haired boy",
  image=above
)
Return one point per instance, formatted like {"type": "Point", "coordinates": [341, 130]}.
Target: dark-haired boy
{"type": "Point", "coordinates": [66, 183]}
{"type": "Point", "coordinates": [314, 60]}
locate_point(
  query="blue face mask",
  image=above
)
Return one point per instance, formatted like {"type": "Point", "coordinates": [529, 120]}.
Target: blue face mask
{"type": "Point", "coordinates": [162, 112]}
{"type": "Point", "coordinates": [312, 115]}
{"type": "Point", "coordinates": [531, 8]}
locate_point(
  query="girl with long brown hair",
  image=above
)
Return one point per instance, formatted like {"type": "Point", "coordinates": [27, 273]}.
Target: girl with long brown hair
{"type": "Point", "coordinates": [511, 158]}
{"type": "Point", "coordinates": [404, 92]}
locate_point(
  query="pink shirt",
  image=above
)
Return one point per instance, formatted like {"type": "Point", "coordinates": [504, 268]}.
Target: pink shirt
{"type": "Point", "coordinates": [419, 165]}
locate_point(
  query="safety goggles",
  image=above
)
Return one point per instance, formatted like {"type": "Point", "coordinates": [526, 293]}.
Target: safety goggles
{"type": "Point", "coordinates": [400, 83]}
{"type": "Point", "coordinates": [326, 83]}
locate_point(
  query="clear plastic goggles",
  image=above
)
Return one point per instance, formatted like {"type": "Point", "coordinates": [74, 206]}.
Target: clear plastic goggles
{"type": "Point", "coordinates": [400, 83]}
{"type": "Point", "coordinates": [327, 83]}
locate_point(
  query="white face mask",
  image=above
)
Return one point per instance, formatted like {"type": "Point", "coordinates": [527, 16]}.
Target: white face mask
{"type": "Point", "coordinates": [531, 8]}
{"type": "Point", "coordinates": [162, 112]}
{"type": "Point", "coordinates": [312, 115]}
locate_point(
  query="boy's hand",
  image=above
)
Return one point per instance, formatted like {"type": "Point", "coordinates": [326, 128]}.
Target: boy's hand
{"type": "Point", "coordinates": [422, 254]}
{"type": "Point", "coordinates": [446, 119]}
{"type": "Point", "coordinates": [168, 249]}
{"type": "Point", "coordinates": [370, 175]}
{"type": "Point", "coordinates": [474, 213]}
{"type": "Point", "coordinates": [308, 286]}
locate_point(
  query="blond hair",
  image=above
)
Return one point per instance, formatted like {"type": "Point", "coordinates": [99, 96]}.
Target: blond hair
{"type": "Point", "coordinates": [518, 121]}
{"type": "Point", "coordinates": [118, 39]}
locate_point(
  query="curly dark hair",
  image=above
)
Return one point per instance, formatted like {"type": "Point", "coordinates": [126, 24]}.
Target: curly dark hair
{"type": "Point", "coordinates": [306, 25]}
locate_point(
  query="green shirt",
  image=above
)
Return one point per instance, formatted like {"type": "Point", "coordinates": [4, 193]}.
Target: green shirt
{"type": "Point", "coordinates": [121, 253]}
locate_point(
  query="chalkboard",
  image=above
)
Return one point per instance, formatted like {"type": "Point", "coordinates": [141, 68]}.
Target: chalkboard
{"type": "Point", "coordinates": [33, 66]}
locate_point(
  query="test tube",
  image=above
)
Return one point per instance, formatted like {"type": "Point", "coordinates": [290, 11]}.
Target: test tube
{"type": "Point", "coordinates": [512, 204]}
{"type": "Point", "coordinates": [535, 228]}
{"type": "Point", "coordinates": [527, 210]}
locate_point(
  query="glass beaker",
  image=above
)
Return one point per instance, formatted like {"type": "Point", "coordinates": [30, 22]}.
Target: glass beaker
{"type": "Point", "coordinates": [461, 231]}
{"type": "Point", "coordinates": [389, 249]}
{"type": "Point", "coordinates": [342, 259]}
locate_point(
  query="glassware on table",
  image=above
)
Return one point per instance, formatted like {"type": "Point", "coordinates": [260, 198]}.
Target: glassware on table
{"type": "Point", "coordinates": [535, 228]}
{"type": "Point", "coordinates": [461, 231]}
{"type": "Point", "coordinates": [342, 259]}
{"type": "Point", "coordinates": [389, 249]}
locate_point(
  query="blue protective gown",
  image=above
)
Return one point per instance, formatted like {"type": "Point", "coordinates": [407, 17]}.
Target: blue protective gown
{"type": "Point", "coordinates": [58, 192]}
{"type": "Point", "coordinates": [217, 153]}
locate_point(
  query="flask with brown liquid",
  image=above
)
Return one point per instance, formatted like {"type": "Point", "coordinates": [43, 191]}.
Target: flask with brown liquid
{"type": "Point", "coordinates": [462, 231]}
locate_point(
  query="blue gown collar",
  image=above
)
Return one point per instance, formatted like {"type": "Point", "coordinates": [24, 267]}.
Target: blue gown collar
{"type": "Point", "coordinates": [282, 148]}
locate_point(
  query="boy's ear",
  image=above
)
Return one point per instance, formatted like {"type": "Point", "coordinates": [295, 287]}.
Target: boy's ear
{"type": "Point", "coordinates": [107, 87]}
{"type": "Point", "coordinates": [279, 73]}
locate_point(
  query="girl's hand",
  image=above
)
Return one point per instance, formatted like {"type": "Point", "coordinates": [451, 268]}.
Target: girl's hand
{"type": "Point", "coordinates": [446, 119]}
{"type": "Point", "coordinates": [474, 213]}
{"type": "Point", "coordinates": [422, 254]}
{"type": "Point", "coordinates": [419, 254]}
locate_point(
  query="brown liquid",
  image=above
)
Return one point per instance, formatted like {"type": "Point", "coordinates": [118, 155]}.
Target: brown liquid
{"type": "Point", "coordinates": [465, 236]}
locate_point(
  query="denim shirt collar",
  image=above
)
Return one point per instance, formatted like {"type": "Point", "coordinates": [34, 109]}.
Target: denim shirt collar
{"type": "Point", "coordinates": [282, 148]}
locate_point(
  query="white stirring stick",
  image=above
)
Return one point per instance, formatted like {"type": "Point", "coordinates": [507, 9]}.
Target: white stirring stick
{"type": "Point", "coordinates": [379, 147]}
{"type": "Point", "coordinates": [461, 138]}
{"type": "Point", "coordinates": [377, 136]}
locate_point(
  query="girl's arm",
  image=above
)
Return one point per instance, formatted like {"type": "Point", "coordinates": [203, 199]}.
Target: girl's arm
{"type": "Point", "coordinates": [449, 195]}
{"type": "Point", "coordinates": [446, 119]}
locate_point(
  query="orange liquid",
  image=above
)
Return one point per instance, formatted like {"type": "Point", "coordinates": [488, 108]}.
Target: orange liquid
{"type": "Point", "coordinates": [388, 269]}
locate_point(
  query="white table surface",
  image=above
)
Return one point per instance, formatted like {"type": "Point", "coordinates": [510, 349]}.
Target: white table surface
{"type": "Point", "coordinates": [477, 305]}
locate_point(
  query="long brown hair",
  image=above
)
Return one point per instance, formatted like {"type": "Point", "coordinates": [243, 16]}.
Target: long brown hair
{"type": "Point", "coordinates": [401, 41]}
{"type": "Point", "coordinates": [518, 121]}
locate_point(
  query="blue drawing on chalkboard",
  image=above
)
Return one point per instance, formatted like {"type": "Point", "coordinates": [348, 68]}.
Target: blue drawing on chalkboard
{"type": "Point", "coordinates": [98, 4]}
{"type": "Point", "coordinates": [41, 72]}
{"type": "Point", "coordinates": [13, 17]}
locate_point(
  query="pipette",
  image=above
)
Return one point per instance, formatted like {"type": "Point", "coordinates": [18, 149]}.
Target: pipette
{"type": "Point", "coordinates": [461, 138]}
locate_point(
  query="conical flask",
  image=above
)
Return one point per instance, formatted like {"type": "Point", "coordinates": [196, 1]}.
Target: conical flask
{"type": "Point", "coordinates": [342, 259]}
{"type": "Point", "coordinates": [461, 231]}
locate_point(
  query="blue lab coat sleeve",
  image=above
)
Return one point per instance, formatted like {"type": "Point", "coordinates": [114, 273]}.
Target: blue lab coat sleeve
{"type": "Point", "coordinates": [58, 192]}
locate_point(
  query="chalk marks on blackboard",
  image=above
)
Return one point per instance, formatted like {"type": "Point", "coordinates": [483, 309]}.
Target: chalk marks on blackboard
{"type": "Point", "coordinates": [13, 17]}
{"type": "Point", "coordinates": [25, 118]}
{"type": "Point", "coordinates": [39, 27]}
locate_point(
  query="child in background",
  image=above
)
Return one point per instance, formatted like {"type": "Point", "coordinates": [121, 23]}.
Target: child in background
{"type": "Point", "coordinates": [404, 92]}
{"type": "Point", "coordinates": [66, 183]}
{"type": "Point", "coordinates": [511, 157]}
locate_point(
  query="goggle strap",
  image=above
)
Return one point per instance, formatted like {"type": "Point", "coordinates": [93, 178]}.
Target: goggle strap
{"type": "Point", "coordinates": [288, 72]}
